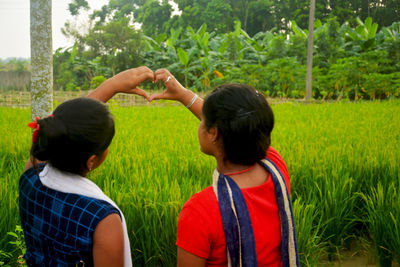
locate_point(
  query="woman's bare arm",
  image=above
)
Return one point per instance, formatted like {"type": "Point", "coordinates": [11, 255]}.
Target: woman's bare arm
{"type": "Point", "coordinates": [124, 82]}
{"type": "Point", "coordinates": [187, 259]}
{"type": "Point", "coordinates": [108, 242]}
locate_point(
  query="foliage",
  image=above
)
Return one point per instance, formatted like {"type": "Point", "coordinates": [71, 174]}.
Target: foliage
{"type": "Point", "coordinates": [18, 65]}
{"type": "Point", "coordinates": [97, 81]}
{"type": "Point", "coordinates": [117, 43]}
{"type": "Point", "coordinates": [352, 60]}
{"type": "Point", "coordinates": [14, 74]}
{"type": "Point", "coordinates": [264, 15]}
{"type": "Point", "coordinates": [14, 257]}
{"type": "Point", "coordinates": [345, 67]}
{"type": "Point", "coordinates": [153, 16]}
{"type": "Point", "coordinates": [309, 227]}
{"type": "Point", "coordinates": [337, 154]}
{"type": "Point", "coordinates": [384, 13]}
{"type": "Point", "coordinates": [383, 211]}
{"type": "Point", "coordinates": [76, 5]}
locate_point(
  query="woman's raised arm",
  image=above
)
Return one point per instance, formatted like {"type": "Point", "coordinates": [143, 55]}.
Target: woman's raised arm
{"type": "Point", "coordinates": [124, 82]}
{"type": "Point", "coordinates": [175, 91]}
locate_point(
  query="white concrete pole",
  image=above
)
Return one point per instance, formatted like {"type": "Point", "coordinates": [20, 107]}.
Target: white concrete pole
{"type": "Point", "coordinates": [41, 58]}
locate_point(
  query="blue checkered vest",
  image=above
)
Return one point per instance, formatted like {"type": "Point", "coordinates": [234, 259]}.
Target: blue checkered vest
{"type": "Point", "coordinates": [58, 227]}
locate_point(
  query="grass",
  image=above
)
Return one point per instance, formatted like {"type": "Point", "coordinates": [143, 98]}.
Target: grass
{"type": "Point", "coordinates": [309, 227]}
{"type": "Point", "coordinates": [337, 154]}
{"type": "Point", "coordinates": [383, 213]}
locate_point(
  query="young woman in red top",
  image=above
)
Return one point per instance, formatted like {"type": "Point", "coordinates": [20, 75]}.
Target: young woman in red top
{"type": "Point", "coordinates": [244, 211]}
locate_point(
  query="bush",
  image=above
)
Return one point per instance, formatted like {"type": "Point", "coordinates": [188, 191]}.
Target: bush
{"type": "Point", "coordinates": [97, 81]}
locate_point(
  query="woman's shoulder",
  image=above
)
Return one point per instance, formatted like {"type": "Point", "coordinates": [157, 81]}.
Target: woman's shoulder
{"type": "Point", "coordinates": [202, 200]}
{"type": "Point", "coordinates": [32, 190]}
{"type": "Point", "coordinates": [201, 212]}
{"type": "Point", "coordinates": [202, 207]}
{"type": "Point", "coordinates": [199, 223]}
{"type": "Point", "coordinates": [273, 155]}
{"type": "Point", "coordinates": [30, 178]}
{"type": "Point", "coordinates": [277, 159]}
{"type": "Point", "coordinates": [34, 170]}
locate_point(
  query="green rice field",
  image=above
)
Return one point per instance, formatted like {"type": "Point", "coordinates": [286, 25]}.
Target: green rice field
{"type": "Point", "coordinates": [343, 158]}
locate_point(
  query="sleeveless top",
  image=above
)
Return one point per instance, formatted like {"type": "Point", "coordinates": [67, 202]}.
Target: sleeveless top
{"type": "Point", "coordinates": [58, 227]}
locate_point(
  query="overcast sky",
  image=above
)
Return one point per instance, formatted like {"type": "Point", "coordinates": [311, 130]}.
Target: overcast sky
{"type": "Point", "coordinates": [15, 24]}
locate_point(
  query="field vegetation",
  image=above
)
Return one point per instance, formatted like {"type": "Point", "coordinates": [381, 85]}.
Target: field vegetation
{"type": "Point", "coordinates": [257, 42]}
{"type": "Point", "coordinates": [352, 59]}
{"type": "Point", "coordinates": [343, 159]}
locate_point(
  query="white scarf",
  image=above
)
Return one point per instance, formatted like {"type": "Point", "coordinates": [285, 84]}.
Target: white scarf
{"type": "Point", "coordinates": [76, 184]}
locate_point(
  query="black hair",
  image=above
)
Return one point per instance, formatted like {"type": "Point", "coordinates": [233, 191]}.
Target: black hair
{"type": "Point", "coordinates": [243, 118]}
{"type": "Point", "coordinates": [78, 129]}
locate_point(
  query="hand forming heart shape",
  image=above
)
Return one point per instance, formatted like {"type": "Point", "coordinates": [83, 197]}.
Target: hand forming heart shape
{"type": "Point", "coordinates": [129, 80]}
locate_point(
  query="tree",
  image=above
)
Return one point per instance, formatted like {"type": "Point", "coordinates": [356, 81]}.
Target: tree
{"type": "Point", "coordinates": [153, 16]}
{"type": "Point", "coordinates": [241, 9]}
{"type": "Point", "coordinates": [218, 17]}
{"type": "Point", "coordinates": [112, 43]}
{"type": "Point", "coordinates": [76, 5]}
{"type": "Point", "coordinates": [118, 43]}
{"type": "Point", "coordinates": [41, 58]}
{"type": "Point", "coordinates": [260, 17]}
{"type": "Point", "coordinates": [217, 14]}
{"type": "Point", "coordinates": [310, 50]}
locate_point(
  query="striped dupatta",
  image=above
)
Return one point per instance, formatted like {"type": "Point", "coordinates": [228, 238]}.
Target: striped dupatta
{"type": "Point", "coordinates": [239, 235]}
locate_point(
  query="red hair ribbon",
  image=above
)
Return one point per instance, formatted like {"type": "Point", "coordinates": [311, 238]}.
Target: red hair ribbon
{"type": "Point", "coordinates": [36, 126]}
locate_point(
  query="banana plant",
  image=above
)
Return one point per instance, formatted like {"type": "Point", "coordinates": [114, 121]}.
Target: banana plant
{"type": "Point", "coordinates": [184, 59]}
{"type": "Point", "coordinates": [297, 30]}
{"type": "Point", "coordinates": [392, 32]}
{"type": "Point", "coordinates": [157, 43]}
{"type": "Point", "coordinates": [363, 36]}
{"type": "Point", "coordinates": [173, 38]}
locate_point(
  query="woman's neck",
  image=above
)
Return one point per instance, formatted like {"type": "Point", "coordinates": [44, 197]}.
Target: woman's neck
{"type": "Point", "coordinates": [226, 167]}
{"type": "Point", "coordinates": [245, 176]}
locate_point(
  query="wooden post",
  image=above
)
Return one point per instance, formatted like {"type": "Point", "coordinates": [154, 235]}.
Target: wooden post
{"type": "Point", "coordinates": [41, 59]}
{"type": "Point", "coordinates": [310, 47]}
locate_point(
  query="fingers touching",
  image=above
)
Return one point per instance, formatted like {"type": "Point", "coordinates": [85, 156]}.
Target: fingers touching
{"type": "Point", "coordinates": [144, 73]}
{"type": "Point", "coordinates": [162, 75]}
{"type": "Point", "coordinates": [134, 77]}
{"type": "Point", "coordinates": [141, 92]}
{"type": "Point", "coordinates": [157, 97]}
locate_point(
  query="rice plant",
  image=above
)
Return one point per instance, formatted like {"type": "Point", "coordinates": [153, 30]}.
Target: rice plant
{"type": "Point", "coordinates": [336, 154]}
{"type": "Point", "coordinates": [309, 227]}
{"type": "Point", "coordinates": [383, 213]}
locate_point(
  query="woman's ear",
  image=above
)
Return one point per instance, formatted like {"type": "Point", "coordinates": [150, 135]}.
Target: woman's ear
{"type": "Point", "coordinates": [95, 161]}
{"type": "Point", "coordinates": [213, 134]}
{"type": "Point", "coordinates": [91, 162]}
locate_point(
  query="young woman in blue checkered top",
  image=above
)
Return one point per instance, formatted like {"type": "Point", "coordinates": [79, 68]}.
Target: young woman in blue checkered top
{"type": "Point", "coordinates": [67, 219]}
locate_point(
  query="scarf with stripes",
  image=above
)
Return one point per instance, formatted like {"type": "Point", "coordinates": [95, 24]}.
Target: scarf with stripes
{"type": "Point", "coordinates": [239, 235]}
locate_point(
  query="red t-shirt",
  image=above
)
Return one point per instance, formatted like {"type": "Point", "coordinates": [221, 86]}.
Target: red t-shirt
{"type": "Point", "coordinates": [200, 229]}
